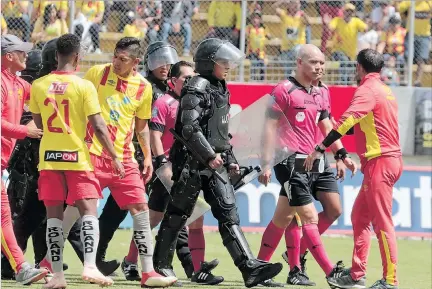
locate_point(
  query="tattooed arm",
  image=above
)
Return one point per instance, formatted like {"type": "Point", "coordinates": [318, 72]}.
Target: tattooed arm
{"type": "Point", "coordinates": [143, 135]}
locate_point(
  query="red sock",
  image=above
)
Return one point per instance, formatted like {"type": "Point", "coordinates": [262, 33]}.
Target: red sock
{"type": "Point", "coordinates": [197, 247]}
{"type": "Point", "coordinates": [323, 224]}
{"type": "Point", "coordinates": [132, 256]}
{"type": "Point", "coordinates": [271, 238]}
{"type": "Point", "coordinates": [292, 240]}
{"type": "Point", "coordinates": [316, 247]}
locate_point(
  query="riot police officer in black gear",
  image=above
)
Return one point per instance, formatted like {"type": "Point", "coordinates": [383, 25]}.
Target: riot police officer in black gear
{"type": "Point", "coordinates": [202, 121]}
{"type": "Point", "coordinates": [29, 214]}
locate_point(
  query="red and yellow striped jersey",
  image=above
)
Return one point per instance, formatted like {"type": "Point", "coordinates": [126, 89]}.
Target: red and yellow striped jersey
{"type": "Point", "coordinates": [121, 100]}
{"type": "Point", "coordinates": [374, 113]}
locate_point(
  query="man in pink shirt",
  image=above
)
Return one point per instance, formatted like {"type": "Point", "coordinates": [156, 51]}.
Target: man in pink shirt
{"type": "Point", "coordinates": [14, 92]}
{"type": "Point", "coordinates": [163, 118]}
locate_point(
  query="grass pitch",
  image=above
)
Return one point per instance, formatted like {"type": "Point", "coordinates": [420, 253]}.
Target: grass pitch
{"type": "Point", "coordinates": [414, 268]}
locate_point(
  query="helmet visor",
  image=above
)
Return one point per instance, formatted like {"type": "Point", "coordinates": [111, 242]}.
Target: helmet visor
{"type": "Point", "coordinates": [228, 56]}
{"type": "Point", "coordinates": [161, 57]}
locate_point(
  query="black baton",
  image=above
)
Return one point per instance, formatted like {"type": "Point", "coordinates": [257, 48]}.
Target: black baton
{"type": "Point", "coordinates": [197, 156]}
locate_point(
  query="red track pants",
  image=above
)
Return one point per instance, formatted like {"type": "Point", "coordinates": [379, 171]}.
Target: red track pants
{"type": "Point", "coordinates": [374, 205]}
{"type": "Point", "coordinates": [9, 244]}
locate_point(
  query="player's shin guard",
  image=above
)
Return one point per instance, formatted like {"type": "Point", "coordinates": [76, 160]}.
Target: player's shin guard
{"type": "Point", "coordinates": [90, 239]}
{"type": "Point", "coordinates": [143, 239]}
{"type": "Point", "coordinates": [55, 243]}
{"type": "Point", "coordinates": [270, 240]}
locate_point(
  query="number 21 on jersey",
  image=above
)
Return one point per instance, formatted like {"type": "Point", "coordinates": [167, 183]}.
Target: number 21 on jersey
{"type": "Point", "coordinates": [60, 107]}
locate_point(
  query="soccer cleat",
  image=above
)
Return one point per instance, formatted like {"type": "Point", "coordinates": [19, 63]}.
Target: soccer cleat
{"type": "Point", "coordinates": [168, 272]}
{"type": "Point", "coordinates": [347, 282]}
{"type": "Point", "coordinates": [204, 275]}
{"type": "Point", "coordinates": [155, 280]}
{"type": "Point", "coordinates": [57, 281]}
{"type": "Point", "coordinates": [45, 264]}
{"type": "Point", "coordinates": [382, 284]}
{"type": "Point", "coordinates": [130, 271]}
{"type": "Point", "coordinates": [93, 275]}
{"type": "Point", "coordinates": [28, 275]}
{"type": "Point", "coordinates": [271, 283]}
{"type": "Point", "coordinates": [338, 270]}
{"type": "Point", "coordinates": [255, 271]}
{"type": "Point", "coordinates": [297, 277]}
{"type": "Point", "coordinates": [107, 267]}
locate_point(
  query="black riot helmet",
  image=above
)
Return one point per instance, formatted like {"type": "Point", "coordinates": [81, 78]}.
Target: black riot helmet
{"type": "Point", "coordinates": [49, 62]}
{"type": "Point", "coordinates": [214, 50]}
{"type": "Point", "coordinates": [158, 54]}
{"type": "Point", "coordinates": [33, 65]}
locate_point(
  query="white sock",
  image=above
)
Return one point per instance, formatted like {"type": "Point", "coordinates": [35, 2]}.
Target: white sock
{"type": "Point", "coordinates": [70, 216]}
{"type": "Point", "coordinates": [90, 239]}
{"type": "Point", "coordinates": [143, 239]}
{"type": "Point", "coordinates": [55, 244]}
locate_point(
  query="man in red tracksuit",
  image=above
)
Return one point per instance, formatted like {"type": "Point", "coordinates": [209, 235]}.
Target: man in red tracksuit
{"type": "Point", "coordinates": [373, 111]}
{"type": "Point", "coordinates": [14, 91]}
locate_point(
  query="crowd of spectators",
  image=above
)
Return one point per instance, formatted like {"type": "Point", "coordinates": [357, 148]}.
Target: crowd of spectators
{"type": "Point", "coordinates": [346, 28]}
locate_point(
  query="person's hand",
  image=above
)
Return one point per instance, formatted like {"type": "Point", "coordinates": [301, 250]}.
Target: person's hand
{"type": "Point", "coordinates": [234, 169]}
{"type": "Point", "coordinates": [351, 165]}
{"type": "Point", "coordinates": [308, 164]}
{"type": "Point", "coordinates": [265, 177]}
{"type": "Point", "coordinates": [340, 170]}
{"type": "Point", "coordinates": [326, 19]}
{"type": "Point", "coordinates": [34, 132]}
{"type": "Point", "coordinates": [216, 162]}
{"type": "Point", "coordinates": [235, 33]}
{"type": "Point", "coordinates": [195, 10]}
{"type": "Point", "coordinates": [156, 28]}
{"type": "Point", "coordinates": [118, 168]}
{"type": "Point", "coordinates": [211, 31]}
{"type": "Point", "coordinates": [148, 170]}
{"type": "Point", "coordinates": [176, 28]}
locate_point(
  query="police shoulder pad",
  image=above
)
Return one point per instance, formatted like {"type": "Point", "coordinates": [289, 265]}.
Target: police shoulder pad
{"type": "Point", "coordinates": [197, 83]}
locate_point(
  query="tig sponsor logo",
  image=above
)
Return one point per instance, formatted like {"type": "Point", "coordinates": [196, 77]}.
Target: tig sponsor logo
{"type": "Point", "coordinates": [89, 242]}
{"type": "Point", "coordinates": [54, 234]}
{"type": "Point", "coordinates": [58, 88]}
{"type": "Point", "coordinates": [59, 156]}
{"type": "Point", "coordinates": [139, 239]}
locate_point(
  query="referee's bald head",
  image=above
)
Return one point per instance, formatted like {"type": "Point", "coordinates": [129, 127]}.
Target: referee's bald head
{"type": "Point", "coordinates": [308, 50]}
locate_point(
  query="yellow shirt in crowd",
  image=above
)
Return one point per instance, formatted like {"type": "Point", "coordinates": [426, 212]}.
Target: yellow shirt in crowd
{"type": "Point", "coordinates": [131, 30]}
{"type": "Point", "coordinates": [345, 37]}
{"type": "Point", "coordinates": [11, 9]}
{"type": "Point", "coordinates": [54, 30]}
{"type": "Point", "coordinates": [422, 16]}
{"type": "Point", "coordinates": [40, 5]}
{"type": "Point", "coordinates": [91, 9]}
{"type": "Point", "coordinates": [394, 41]}
{"type": "Point", "coordinates": [224, 14]}
{"type": "Point", "coordinates": [256, 40]}
{"type": "Point", "coordinates": [293, 30]}
{"type": "Point", "coordinates": [3, 23]}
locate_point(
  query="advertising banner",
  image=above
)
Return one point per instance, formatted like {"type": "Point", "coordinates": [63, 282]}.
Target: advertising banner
{"type": "Point", "coordinates": [423, 121]}
{"type": "Point", "coordinates": [412, 199]}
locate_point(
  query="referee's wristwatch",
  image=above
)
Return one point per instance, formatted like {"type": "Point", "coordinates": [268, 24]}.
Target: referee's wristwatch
{"type": "Point", "coordinates": [319, 149]}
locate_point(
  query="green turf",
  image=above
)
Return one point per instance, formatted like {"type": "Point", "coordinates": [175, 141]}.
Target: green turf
{"type": "Point", "coordinates": [414, 263]}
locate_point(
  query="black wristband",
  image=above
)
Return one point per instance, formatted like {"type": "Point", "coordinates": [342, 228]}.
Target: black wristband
{"type": "Point", "coordinates": [337, 157]}
{"type": "Point", "coordinates": [320, 150]}
{"type": "Point", "coordinates": [331, 138]}
{"type": "Point", "coordinates": [342, 153]}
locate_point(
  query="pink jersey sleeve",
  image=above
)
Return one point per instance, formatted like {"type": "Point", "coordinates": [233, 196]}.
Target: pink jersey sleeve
{"type": "Point", "coordinates": [159, 112]}
{"type": "Point", "coordinates": [280, 96]}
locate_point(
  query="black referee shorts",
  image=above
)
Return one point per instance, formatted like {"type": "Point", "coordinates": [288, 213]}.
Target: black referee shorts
{"type": "Point", "coordinates": [303, 187]}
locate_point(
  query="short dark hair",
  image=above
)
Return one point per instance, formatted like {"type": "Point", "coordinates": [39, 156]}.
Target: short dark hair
{"type": "Point", "coordinates": [131, 44]}
{"type": "Point", "coordinates": [175, 70]}
{"type": "Point", "coordinates": [371, 60]}
{"type": "Point", "coordinates": [68, 44]}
